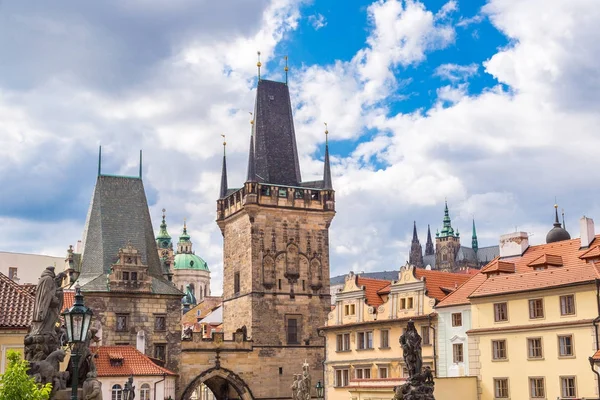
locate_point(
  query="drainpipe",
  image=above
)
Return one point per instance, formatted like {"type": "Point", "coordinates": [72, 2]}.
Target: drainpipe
{"type": "Point", "coordinates": [434, 345]}
{"type": "Point", "coordinates": [324, 336]}
{"type": "Point", "coordinates": [157, 382]}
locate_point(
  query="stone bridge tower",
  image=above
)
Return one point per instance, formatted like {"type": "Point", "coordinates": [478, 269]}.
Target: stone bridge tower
{"type": "Point", "coordinates": [275, 267]}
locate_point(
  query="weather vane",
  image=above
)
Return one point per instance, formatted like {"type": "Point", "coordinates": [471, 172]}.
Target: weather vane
{"type": "Point", "coordinates": [286, 69]}
{"type": "Point", "coordinates": [258, 64]}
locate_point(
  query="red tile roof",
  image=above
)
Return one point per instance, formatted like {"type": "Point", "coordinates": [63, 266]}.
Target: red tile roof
{"type": "Point", "coordinates": [498, 266]}
{"type": "Point", "coordinates": [16, 305]}
{"type": "Point", "coordinates": [592, 252]}
{"type": "Point", "coordinates": [436, 281]}
{"type": "Point", "coordinates": [548, 260]}
{"type": "Point", "coordinates": [134, 362]}
{"type": "Point", "coordinates": [596, 356]}
{"type": "Point", "coordinates": [205, 307]}
{"type": "Point", "coordinates": [69, 299]}
{"type": "Point", "coordinates": [574, 270]}
{"type": "Point", "coordinates": [371, 287]}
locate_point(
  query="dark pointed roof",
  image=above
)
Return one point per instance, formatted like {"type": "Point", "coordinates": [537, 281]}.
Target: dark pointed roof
{"type": "Point", "coordinates": [251, 177]}
{"type": "Point", "coordinates": [474, 242]}
{"type": "Point", "coordinates": [557, 233]}
{"type": "Point", "coordinates": [327, 169]}
{"type": "Point", "coordinates": [118, 215]}
{"type": "Point", "coordinates": [275, 152]}
{"type": "Point", "coordinates": [223, 191]}
{"type": "Point", "coordinates": [429, 250]}
{"type": "Point", "coordinates": [415, 238]}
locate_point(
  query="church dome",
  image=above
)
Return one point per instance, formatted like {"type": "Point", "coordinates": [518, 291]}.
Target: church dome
{"type": "Point", "coordinates": [190, 261]}
{"type": "Point", "coordinates": [557, 233]}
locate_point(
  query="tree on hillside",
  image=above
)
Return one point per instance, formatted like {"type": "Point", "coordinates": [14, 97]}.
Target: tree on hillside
{"type": "Point", "coordinates": [15, 384]}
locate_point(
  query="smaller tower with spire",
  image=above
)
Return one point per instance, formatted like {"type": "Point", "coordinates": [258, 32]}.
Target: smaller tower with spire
{"type": "Point", "coordinates": [429, 249]}
{"type": "Point", "coordinates": [223, 191]}
{"type": "Point", "coordinates": [165, 248]}
{"type": "Point", "coordinates": [447, 244]}
{"type": "Point", "coordinates": [474, 242]}
{"type": "Point", "coordinates": [327, 185]}
{"type": "Point", "coordinates": [416, 251]}
{"type": "Point", "coordinates": [190, 271]}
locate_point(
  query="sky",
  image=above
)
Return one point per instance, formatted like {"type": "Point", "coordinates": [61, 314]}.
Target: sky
{"type": "Point", "coordinates": [490, 105]}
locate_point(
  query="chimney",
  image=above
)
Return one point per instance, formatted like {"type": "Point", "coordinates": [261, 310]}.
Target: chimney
{"type": "Point", "coordinates": [586, 226]}
{"type": "Point", "coordinates": [513, 244]}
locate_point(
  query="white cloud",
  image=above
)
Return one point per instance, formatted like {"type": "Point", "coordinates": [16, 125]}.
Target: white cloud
{"type": "Point", "coordinates": [455, 73]}
{"type": "Point", "coordinates": [317, 21]}
{"type": "Point", "coordinates": [474, 20]}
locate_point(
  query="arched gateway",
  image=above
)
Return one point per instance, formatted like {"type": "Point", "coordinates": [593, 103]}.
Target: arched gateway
{"type": "Point", "coordinates": [225, 385]}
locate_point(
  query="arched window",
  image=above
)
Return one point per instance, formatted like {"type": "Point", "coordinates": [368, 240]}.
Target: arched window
{"type": "Point", "coordinates": [145, 392]}
{"type": "Point", "coordinates": [117, 392]}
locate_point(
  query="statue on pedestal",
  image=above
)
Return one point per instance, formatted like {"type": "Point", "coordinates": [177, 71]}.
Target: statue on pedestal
{"type": "Point", "coordinates": [92, 387]}
{"type": "Point", "coordinates": [302, 386]}
{"type": "Point", "coordinates": [420, 383]}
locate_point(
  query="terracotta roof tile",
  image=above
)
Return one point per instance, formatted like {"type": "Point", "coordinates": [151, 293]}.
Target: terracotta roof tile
{"type": "Point", "coordinates": [574, 270]}
{"type": "Point", "coordinates": [546, 259]}
{"type": "Point", "coordinates": [592, 252]}
{"type": "Point", "coordinates": [201, 310]}
{"type": "Point", "coordinates": [68, 299]}
{"type": "Point", "coordinates": [436, 280]}
{"type": "Point", "coordinates": [134, 362]}
{"type": "Point", "coordinates": [498, 265]}
{"type": "Point", "coordinates": [16, 304]}
{"type": "Point", "coordinates": [372, 286]}
{"type": "Point", "coordinates": [596, 356]}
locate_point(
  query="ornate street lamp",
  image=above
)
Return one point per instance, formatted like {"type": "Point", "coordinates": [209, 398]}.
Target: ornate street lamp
{"type": "Point", "coordinates": [320, 389]}
{"type": "Point", "coordinates": [77, 321]}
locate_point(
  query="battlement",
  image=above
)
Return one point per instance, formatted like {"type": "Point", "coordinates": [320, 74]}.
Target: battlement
{"type": "Point", "coordinates": [217, 342]}
{"type": "Point", "coordinates": [271, 195]}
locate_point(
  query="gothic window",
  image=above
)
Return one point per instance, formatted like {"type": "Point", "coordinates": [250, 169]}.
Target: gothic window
{"type": "Point", "coordinates": [122, 322]}
{"type": "Point", "coordinates": [117, 392]}
{"type": "Point", "coordinates": [236, 283]}
{"type": "Point", "coordinates": [160, 323]}
{"type": "Point", "coordinates": [160, 352]}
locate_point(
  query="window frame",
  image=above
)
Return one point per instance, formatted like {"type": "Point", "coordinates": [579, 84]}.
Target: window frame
{"type": "Point", "coordinates": [536, 306]}
{"type": "Point", "coordinates": [529, 342]}
{"type": "Point", "coordinates": [498, 395]}
{"type": "Point", "coordinates": [126, 317]}
{"type": "Point", "coordinates": [496, 312]}
{"type": "Point", "coordinates": [428, 337]}
{"type": "Point", "coordinates": [494, 358]}
{"type": "Point", "coordinates": [116, 392]}
{"type": "Point", "coordinates": [456, 346]}
{"type": "Point", "coordinates": [543, 387]}
{"type": "Point", "coordinates": [572, 345]}
{"type": "Point", "coordinates": [298, 319]}
{"type": "Point", "coordinates": [560, 305]}
{"type": "Point", "coordinates": [362, 344]}
{"type": "Point", "coordinates": [342, 341]}
{"type": "Point", "coordinates": [344, 378]}
{"type": "Point", "coordinates": [454, 322]}
{"type": "Point", "coordinates": [164, 347]}
{"type": "Point", "coordinates": [145, 389]}
{"type": "Point", "coordinates": [364, 370]}
{"type": "Point", "coordinates": [237, 283]}
{"type": "Point", "coordinates": [562, 387]}
{"type": "Point", "coordinates": [156, 319]}
{"type": "Point", "coordinates": [383, 367]}
{"type": "Point", "coordinates": [387, 338]}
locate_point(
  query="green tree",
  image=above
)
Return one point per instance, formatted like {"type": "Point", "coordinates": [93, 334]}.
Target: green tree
{"type": "Point", "coordinates": [15, 384]}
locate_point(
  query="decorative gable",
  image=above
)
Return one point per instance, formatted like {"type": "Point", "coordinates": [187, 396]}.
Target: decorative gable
{"type": "Point", "coordinates": [129, 273]}
{"type": "Point", "coordinates": [546, 260]}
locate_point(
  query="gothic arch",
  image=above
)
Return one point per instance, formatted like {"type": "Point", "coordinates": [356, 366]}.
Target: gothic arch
{"type": "Point", "coordinates": [215, 377]}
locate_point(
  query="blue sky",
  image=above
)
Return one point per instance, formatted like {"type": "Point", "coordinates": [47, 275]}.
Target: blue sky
{"type": "Point", "coordinates": [489, 104]}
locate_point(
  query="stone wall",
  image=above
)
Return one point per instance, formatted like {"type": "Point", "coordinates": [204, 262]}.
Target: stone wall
{"type": "Point", "coordinates": [142, 310]}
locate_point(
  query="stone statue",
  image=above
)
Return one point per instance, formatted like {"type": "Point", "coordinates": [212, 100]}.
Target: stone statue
{"type": "Point", "coordinates": [92, 387]}
{"type": "Point", "coordinates": [295, 386]}
{"type": "Point", "coordinates": [302, 386]}
{"type": "Point", "coordinates": [48, 301]}
{"type": "Point", "coordinates": [47, 371]}
{"type": "Point", "coordinates": [419, 385]}
{"type": "Point", "coordinates": [129, 389]}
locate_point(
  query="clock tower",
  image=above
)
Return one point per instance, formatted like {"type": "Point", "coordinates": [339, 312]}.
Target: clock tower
{"type": "Point", "coordinates": [164, 245]}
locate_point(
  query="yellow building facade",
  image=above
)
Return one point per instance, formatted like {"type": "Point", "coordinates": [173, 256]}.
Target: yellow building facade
{"type": "Point", "coordinates": [363, 354]}
{"type": "Point", "coordinates": [533, 320]}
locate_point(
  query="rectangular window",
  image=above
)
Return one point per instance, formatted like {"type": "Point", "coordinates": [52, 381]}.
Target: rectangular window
{"type": "Point", "coordinates": [347, 341]}
{"type": "Point", "coordinates": [383, 372]}
{"type": "Point", "coordinates": [341, 377]}
{"type": "Point", "coordinates": [403, 304]}
{"type": "Point", "coordinates": [160, 323]}
{"type": "Point", "coordinates": [236, 283]}
{"type": "Point", "coordinates": [536, 388]}
{"type": "Point", "coordinates": [343, 342]}
{"type": "Point", "coordinates": [425, 335]}
{"type": "Point", "coordinates": [362, 373]}
{"type": "Point", "coordinates": [282, 192]}
{"type": "Point", "coordinates": [279, 284]}
{"type": "Point", "coordinates": [499, 349]}
{"type": "Point", "coordinates": [160, 352]}
{"type": "Point", "coordinates": [501, 388]}
{"type": "Point", "coordinates": [536, 308]}
{"type": "Point", "coordinates": [349, 309]}
{"type": "Point", "coordinates": [364, 340]}
{"type": "Point", "coordinates": [303, 285]}
{"type": "Point", "coordinates": [384, 339]}
{"type": "Point", "coordinates": [121, 323]}
{"type": "Point", "coordinates": [567, 387]}
{"type": "Point", "coordinates": [500, 312]}
{"type": "Point", "coordinates": [457, 353]}
{"type": "Point", "coordinates": [565, 345]}
{"type": "Point", "coordinates": [534, 348]}
{"type": "Point", "coordinates": [12, 273]}
{"type": "Point", "coordinates": [567, 305]}
{"type": "Point", "coordinates": [292, 330]}
{"type": "Point", "coordinates": [125, 275]}
{"type": "Point", "coordinates": [457, 319]}
{"type": "Point", "coordinates": [134, 276]}
{"type": "Point", "coordinates": [409, 303]}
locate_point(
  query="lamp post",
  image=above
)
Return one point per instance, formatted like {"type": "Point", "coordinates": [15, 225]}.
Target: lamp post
{"type": "Point", "coordinates": [77, 321]}
{"type": "Point", "coordinates": [319, 389]}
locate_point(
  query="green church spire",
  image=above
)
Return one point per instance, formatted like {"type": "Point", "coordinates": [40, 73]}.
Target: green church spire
{"type": "Point", "coordinates": [447, 229]}
{"type": "Point", "coordinates": [163, 239]}
{"type": "Point", "coordinates": [474, 243]}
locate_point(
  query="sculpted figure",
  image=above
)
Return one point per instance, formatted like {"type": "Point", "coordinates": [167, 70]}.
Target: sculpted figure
{"type": "Point", "coordinates": [92, 388]}
{"type": "Point", "coordinates": [46, 304]}
{"type": "Point", "coordinates": [47, 371]}
{"type": "Point", "coordinates": [187, 333]}
{"type": "Point", "coordinates": [295, 386]}
{"type": "Point", "coordinates": [411, 349]}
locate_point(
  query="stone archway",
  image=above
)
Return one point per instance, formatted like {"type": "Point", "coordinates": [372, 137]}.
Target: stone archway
{"type": "Point", "coordinates": [224, 384]}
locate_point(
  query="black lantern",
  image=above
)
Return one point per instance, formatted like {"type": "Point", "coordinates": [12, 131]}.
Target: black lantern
{"type": "Point", "coordinates": [319, 388]}
{"type": "Point", "coordinates": [77, 321]}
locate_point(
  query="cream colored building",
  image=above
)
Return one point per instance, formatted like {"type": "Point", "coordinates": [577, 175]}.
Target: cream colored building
{"type": "Point", "coordinates": [26, 268]}
{"type": "Point", "coordinates": [532, 317]}
{"type": "Point", "coordinates": [364, 358]}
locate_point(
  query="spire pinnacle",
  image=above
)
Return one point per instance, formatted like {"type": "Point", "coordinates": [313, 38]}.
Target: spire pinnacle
{"type": "Point", "coordinates": [429, 245]}
{"type": "Point", "coordinates": [140, 164]}
{"type": "Point", "coordinates": [415, 237]}
{"type": "Point", "coordinates": [556, 221]}
{"type": "Point", "coordinates": [286, 69]}
{"type": "Point", "coordinates": [163, 239]}
{"type": "Point", "coordinates": [563, 218]}
{"type": "Point", "coordinates": [258, 64]}
{"type": "Point", "coordinates": [327, 185]}
{"type": "Point", "coordinates": [99, 160]}
{"type": "Point", "coordinates": [474, 242]}
{"type": "Point", "coordinates": [251, 176]}
{"type": "Point", "coordinates": [223, 190]}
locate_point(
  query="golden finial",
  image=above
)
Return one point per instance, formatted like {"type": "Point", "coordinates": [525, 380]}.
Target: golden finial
{"type": "Point", "coordinates": [326, 133]}
{"type": "Point", "coordinates": [163, 210]}
{"type": "Point", "coordinates": [252, 120]}
{"type": "Point", "coordinates": [258, 64]}
{"type": "Point", "coordinates": [224, 142]}
{"type": "Point", "coordinates": [286, 69]}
